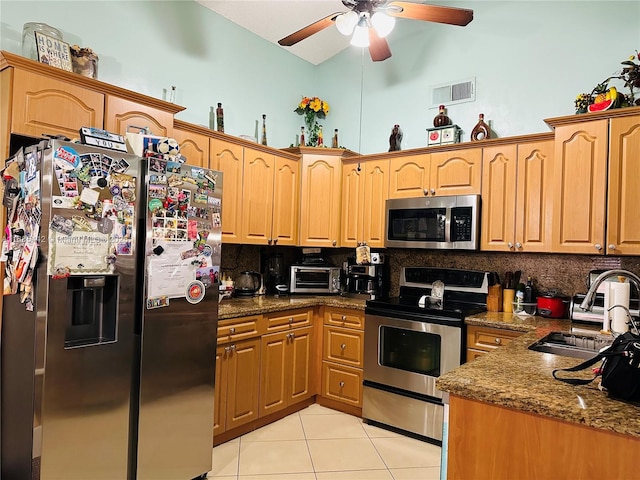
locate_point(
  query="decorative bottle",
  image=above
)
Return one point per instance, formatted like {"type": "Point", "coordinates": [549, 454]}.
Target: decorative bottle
{"type": "Point", "coordinates": [481, 131]}
{"type": "Point", "coordinates": [320, 137]}
{"type": "Point", "coordinates": [212, 118]}
{"type": "Point", "coordinates": [220, 118]}
{"type": "Point", "coordinates": [334, 142]}
{"type": "Point", "coordinates": [441, 120]}
{"type": "Point", "coordinates": [302, 136]}
{"type": "Point", "coordinates": [264, 129]}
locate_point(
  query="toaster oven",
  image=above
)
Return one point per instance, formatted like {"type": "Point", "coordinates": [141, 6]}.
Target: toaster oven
{"type": "Point", "coordinates": [317, 280]}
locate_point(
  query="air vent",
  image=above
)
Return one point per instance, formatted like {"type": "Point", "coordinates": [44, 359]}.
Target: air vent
{"type": "Point", "coordinates": [452, 93]}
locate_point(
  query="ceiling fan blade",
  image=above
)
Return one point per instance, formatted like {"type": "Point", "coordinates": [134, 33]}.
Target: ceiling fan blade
{"type": "Point", "coordinates": [430, 13]}
{"type": "Point", "coordinates": [378, 47]}
{"type": "Point", "coordinates": [309, 30]}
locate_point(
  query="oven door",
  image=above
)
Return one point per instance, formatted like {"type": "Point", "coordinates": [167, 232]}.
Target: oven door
{"type": "Point", "coordinates": [410, 354]}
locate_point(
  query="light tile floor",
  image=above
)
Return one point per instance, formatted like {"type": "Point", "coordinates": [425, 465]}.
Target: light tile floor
{"type": "Point", "coordinates": [318, 443]}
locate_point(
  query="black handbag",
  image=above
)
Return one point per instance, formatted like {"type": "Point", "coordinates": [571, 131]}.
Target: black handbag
{"type": "Point", "coordinates": [620, 368]}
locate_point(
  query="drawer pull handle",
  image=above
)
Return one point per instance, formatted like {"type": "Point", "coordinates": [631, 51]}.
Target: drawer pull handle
{"type": "Point", "coordinates": [344, 318]}
{"type": "Point", "coordinates": [232, 330]}
{"type": "Point", "coordinates": [227, 349]}
{"type": "Point", "coordinates": [498, 341]}
{"type": "Point", "coordinates": [290, 319]}
{"type": "Point", "coordinates": [341, 384]}
{"type": "Point", "coordinates": [343, 346]}
{"type": "Point", "coordinates": [233, 347]}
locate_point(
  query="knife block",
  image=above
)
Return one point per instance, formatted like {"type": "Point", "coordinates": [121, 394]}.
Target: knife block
{"type": "Point", "coordinates": [494, 299]}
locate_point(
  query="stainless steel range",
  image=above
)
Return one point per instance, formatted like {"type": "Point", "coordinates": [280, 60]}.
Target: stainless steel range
{"type": "Point", "coordinates": [410, 340]}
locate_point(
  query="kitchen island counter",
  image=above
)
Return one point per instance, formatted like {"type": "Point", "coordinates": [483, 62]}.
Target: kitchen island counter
{"type": "Point", "coordinates": [240, 307]}
{"type": "Point", "coordinates": [515, 377]}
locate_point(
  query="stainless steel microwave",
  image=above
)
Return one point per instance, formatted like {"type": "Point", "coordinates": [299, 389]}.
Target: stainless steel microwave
{"type": "Point", "coordinates": [315, 279]}
{"type": "Point", "coordinates": [447, 222]}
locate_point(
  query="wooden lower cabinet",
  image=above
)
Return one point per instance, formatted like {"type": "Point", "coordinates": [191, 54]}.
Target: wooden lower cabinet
{"type": "Point", "coordinates": [285, 371]}
{"type": "Point", "coordinates": [342, 384]}
{"type": "Point", "coordinates": [482, 340]}
{"type": "Point", "coordinates": [237, 384]}
{"type": "Point", "coordinates": [489, 442]}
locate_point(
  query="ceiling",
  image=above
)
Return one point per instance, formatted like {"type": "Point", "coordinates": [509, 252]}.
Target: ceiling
{"type": "Point", "coordinates": [275, 19]}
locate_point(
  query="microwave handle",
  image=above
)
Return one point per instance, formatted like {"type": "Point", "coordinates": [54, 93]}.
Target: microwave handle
{"type": "Point", "coordinates": [447, 225]}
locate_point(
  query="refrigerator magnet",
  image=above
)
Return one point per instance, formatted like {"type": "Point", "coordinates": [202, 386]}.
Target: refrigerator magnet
{"type": "Point", "coordinates": [157, 302]}
{"type": "Point", "coordinates": [195, 292]}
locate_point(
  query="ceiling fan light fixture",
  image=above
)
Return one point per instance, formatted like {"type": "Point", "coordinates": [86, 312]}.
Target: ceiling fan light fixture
{"type": "Point", "coordinates": [361, 33]}
{"type": "Point", "coordinates": [346, 22]}
{"type": "Point", "coordinates": [383, 23]}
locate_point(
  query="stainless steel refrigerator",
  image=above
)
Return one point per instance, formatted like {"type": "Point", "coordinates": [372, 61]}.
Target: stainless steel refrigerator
{"type": "Point", "coordinates": [109, 315]}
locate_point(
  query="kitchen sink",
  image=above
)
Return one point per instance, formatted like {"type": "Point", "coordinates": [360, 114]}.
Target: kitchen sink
{"type": "Point", "coordinates": [571, 344]}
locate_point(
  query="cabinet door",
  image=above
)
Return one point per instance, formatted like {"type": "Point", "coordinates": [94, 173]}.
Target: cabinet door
{"type": "Point", "coordinates": [458, 172]}
{"type": "Point", "coordinates": [343, 345]}
{"type": "Point", "coordinates": [299, 362]}
{"type": "Point", "coordinates": [273, 373]}
{"type": "Point", "coordinates": [121, 113]}
{"type": "Point", "coordinates": [353, 178]}
{"type": "Point", "coordinates": [257, 197]}
{"type": "Point", "coordinates": [341, 383]}
{"type": "Point", "coordinates": [376, 191]}
{"type": "Point", "coordinates": [220, 398]}
{"type": "Point", "coordinates": [409, 176]}
{"type": "Point", "coordinates": [580, 180]}
{"type": "Point", "coordinates": [194, 146]}
{"type": "Point", "coordinates": [286, 201]}
{"type": "Point", "coordinates": [534, 206]}
{"type": "Point", "coordinates": [227, 157]}
{"type": "Point", "coordinates": [623, 212]}
{"type": "Point", "coordinates": [45, 105]}
{"type": "Point", "coordinates": [499, 166]}
{"type": "Point", "coordinates": [243, 382]}
{"type": "Point", "coordinates": [320, 201]}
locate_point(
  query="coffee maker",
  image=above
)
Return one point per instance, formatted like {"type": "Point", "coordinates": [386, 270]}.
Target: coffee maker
{"type": "Point", "coordinates": [369, 281]}
{"type": "Point", "coordinates": [276, 281]}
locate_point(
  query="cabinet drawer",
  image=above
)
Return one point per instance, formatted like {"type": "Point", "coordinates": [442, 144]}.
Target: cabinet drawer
{"type": "Point", "coordinates": [343, 345]}
{"type": "Point", "coordinates": [487, 339]}
{"type": "Point", "coordinates": [287, 320]}
{"type": "Point", "coordinates": [344, 318]}
{"type": "Point", "coordinates": [234, 329]}
{"type": "Point", "coordinates": [341, 383]}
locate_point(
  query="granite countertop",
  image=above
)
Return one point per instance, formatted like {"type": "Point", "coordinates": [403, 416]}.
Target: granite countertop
{"type": "Point", "coordinates": [515, 377]}
{"type": "Point", "coordinates": [241, 307]}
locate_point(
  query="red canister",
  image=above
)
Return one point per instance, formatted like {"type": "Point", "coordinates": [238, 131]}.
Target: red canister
{"type": "Point", "coordinates": [552, 305]}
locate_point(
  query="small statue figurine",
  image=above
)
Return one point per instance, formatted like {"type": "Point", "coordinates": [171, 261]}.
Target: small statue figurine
{"type": "Point", "coordinates": [395, 138]}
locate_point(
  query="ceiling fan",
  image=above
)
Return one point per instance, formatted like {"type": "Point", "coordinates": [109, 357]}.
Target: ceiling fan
{"type": "Point", "coordinates": [371, 20]}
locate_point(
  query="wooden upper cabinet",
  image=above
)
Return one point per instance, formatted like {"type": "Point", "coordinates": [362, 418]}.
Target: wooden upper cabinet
{"type": "Point", "coordinates": [456, 172]}
{"type": "Point", "coordinates": [517, 197]}
{"type": "Point", "coordinates": [194, 146]}
{"type": "Point", "coordinates": [623, 207]}
{"type": "Point", "coordinates": [580, 182]}
{"type": "Point", "coordinates": [121, 113]}
{"type": "Point", "coordinates": [320, 200]}
{"type": "Point", "coordinates": [227, 157]}
{"type": "Point", "coordinates": [365, 187]}
{"type": "Point", "coordinates": [409, 176]}
{"type": "Point", "coordinates": [286, 200]}
{"type": "Point", "coordinates": [257, 198]}
{"type": "Point", "coordinates": [46, 105]}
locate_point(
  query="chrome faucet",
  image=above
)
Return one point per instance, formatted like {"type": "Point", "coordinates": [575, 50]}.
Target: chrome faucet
{"type": "Point", "coordinates": [587, 303]}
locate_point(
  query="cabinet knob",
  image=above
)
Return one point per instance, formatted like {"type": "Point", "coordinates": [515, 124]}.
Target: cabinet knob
{"type": "Point", "coordinates": [498, 341]}
{"type": "Point", "coordinates": [341, 384]}
{"type": "Point", "coordinates": [343, 346]}
{"type": "Point", "coordinates": [433, 191]}
{"type": "Point", "coordinates": [269, 241]}
{"type": "Point", "coordinates": [290, 320]}
{"type": "Point", "coordinates": [227, 349]}
{"type": "Point", "coordinates": [425, 191]}
{"type": "Point", "coordinates": [232, 347]}
{"type": "Point", "coordinates": [275, 241]}
{"type": "Point", "coordinates": [334, 243]}
{"type": "Point", "coordinates": [598, 247]}
{"type": "Point", "coordinates": [291, 336]}
{"type": "Point", "coordinates": [612, 246]}
{"type": "Point", "coordinates": [518, 245]}
{"type": "Point", "coordinates": [232, 330]}
{"type": "Point", "coordinates": [510, 245]}
{"type": "Point", "coordinates": [344, 318]}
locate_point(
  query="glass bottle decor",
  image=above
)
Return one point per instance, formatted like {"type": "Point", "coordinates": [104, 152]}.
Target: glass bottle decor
{"type": "Point", "coordinates": [212, 118]}
{"type": "Point", "coordinates": [264, 129]}
{"type": "Point", "coordinates": [334, 142]}
{"type": "Point", "coordinates": [302, 136]}
{"type": "Point", "coordinates": [320, 137]}
{"type": "Point", "coordinates": [441, 120]}
{"type": "Point", "coordinates": [220, 118]}
{"type": "Point", "coordinates": [481, 131]}
{"type": "Point", "coordinates": [29, 47]}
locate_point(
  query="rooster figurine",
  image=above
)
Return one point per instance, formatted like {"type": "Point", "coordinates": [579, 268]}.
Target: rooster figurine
{"type": "Point", "coordinates": [395, 138]}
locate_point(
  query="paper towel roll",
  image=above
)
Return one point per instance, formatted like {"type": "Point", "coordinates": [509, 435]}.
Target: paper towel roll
{"type": "Point", "coordinates": [619, 296]}
{"type": "Point", "coordinates": [606, 316]}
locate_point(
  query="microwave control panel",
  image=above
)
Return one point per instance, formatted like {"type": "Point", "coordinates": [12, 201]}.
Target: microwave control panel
{"type": "Point", "coordinates": [461, 224]}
